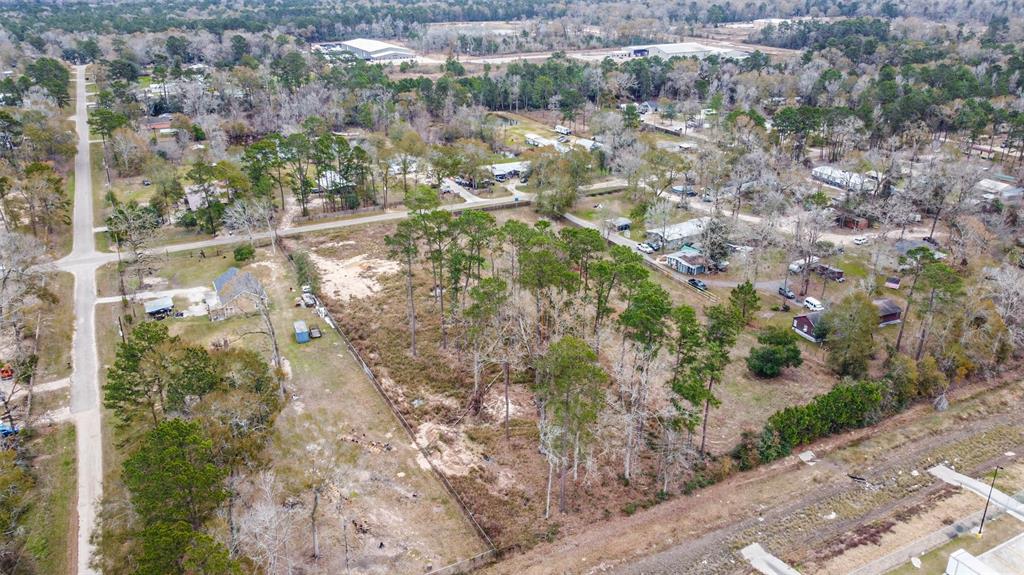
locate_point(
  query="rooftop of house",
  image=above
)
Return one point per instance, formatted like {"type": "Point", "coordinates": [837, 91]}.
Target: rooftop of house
{"type": "Point", "coordinates": [887, 307]}
{"type": "Point", "coordinates": [682, 230]}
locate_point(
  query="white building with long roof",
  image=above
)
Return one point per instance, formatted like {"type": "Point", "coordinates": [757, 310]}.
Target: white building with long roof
{"type": "Point", "coordinates": [366, 49]}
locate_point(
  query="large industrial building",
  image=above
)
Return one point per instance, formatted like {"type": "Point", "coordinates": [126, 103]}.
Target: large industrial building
{"type": "Point", "coordinates": [365, 49]}
{"type": "Point", "coordinates": [684, 50]}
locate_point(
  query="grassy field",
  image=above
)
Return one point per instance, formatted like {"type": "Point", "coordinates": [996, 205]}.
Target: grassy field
{"type": "Point", "coordinates": [54, 336]}
{"type": "Point", "coordinates": [174, 270]}
{"type": "Point", "coordinates": [63, 237]}
{"type": "Point", "coordinates": [49, 521]}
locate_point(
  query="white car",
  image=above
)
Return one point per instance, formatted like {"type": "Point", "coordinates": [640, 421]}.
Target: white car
{"type": "Point", "coordinates": [645, 248]}
{"type": "Point", "coordinates": [813, 304]}
{"type": "Point", "coordinates": [860, 241]}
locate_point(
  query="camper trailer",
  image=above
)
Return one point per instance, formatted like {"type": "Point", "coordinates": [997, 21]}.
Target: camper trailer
{"type": "Point", "coordinates": [799, 265]}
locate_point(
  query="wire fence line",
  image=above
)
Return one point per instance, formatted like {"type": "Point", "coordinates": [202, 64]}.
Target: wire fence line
{"type": "Point", "coordinates": [462, 566]}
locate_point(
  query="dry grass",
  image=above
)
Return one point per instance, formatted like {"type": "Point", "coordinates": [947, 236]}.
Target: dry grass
{"type": "Point", "coordinates": [48, 523]}
{"type": "Point", "coordinates": [53, 333]}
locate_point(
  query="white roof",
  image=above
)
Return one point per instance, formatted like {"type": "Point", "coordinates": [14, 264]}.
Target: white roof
{"type": "Point", "coordinates": [683, 230]}
{"type": "Point", "coordinates": [691, 49]}
{"type": "Point", "coordinates": [998, 188]}
{"type": "Point", "coordinates": [331, 179]}
{"type": "Point", "coordinates": [368, 45]}
{"type": "Point", "coordinates": [676, 48]}
{"type": "Point", "coordinates": [161, 304]}
{"type": "Point", "coordinates": [508, 167]}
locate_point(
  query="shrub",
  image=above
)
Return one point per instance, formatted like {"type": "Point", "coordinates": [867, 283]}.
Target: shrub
{"type": "Point", "coordinates": [779, 350]}
{"type": "Point", "coordinates": [244, 253]}
{"type": "Point", "coordinates": [747, 452]}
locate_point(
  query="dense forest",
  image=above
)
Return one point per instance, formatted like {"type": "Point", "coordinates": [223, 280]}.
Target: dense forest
{"type": "Point", "coordinates": [316, 20]}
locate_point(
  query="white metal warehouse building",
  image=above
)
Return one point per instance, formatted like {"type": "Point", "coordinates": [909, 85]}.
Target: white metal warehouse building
{"type": "Point", "coordinates": [366, 49]}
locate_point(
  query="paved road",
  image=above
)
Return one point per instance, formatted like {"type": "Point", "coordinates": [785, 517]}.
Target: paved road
{"type": "Point", "coordinates": [463, 191]}
{"type": "Point", "coordinates": [85, 404]}
{"type": "Point", "coordinates": [999, 499]}
{"type": "Point", "coordinates": [765, 562]}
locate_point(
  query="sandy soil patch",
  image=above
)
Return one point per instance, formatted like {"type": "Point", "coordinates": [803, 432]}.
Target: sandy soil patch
{"type": "Point", "coordinates": [292, 210]}
{"type": "Point", "coordinates": [273, 266]}
{"type": "Point", "coordinates": [354, 277]}
{"type": "Point", "coordinates": [450, 452]}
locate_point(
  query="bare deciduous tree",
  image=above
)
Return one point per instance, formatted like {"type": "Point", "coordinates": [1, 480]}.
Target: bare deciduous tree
{"type": "Point", "coordinates": [252, 216]}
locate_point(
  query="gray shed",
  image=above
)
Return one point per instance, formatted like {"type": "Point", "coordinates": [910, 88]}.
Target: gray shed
{"type": "Point", "coordinates": [159, 306]}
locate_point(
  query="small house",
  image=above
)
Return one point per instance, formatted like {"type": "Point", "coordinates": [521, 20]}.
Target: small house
{"type": "Point", "coordinates": [231, 294]}
{"type": "Point", "coordinates": [992, 190]}
{"type": "Point", "coordinates": [158, 123]}
{"type": "Point", "coordinates": [333, 182]}
{"type": "Point", "coordinates": [688, 261]}
{"type": "Point", "coordinates": [508, 169]}
{"type": "Point", "coordinates": [195, 196]}
{"type": "Point", "coordinates": [844, 180]}
{"type": "Point", "coordinates": [852, 222]}
{"type": "Point", "coordinates": [563, 130]}
{"type": "Point", "coordinates": [798, 266]}
{"type": "Point", "coordinates": [904, 246]}
{"type": "Point", "coordinates": [806, 325]}
{"type": "Point", "coordinates": [301, 332]}
{"type": "Point", "coordinates": [888, 312]}
{"type": "Point", "coordinates": [893, 282]}
{"type": "Point", "coordinates": [830, 272]}
{"type": "Point", "coordinates": [160, 307]}
{"type": "Point", "coordinates": [619, 224]}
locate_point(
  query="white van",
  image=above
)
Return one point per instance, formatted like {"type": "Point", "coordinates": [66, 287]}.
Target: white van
{"type": "Point", "coordinates": [813, 304]}
{"type": "Point", "coordinates": [563, 130]}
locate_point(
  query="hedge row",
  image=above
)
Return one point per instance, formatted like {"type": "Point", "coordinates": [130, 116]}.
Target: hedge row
{"type": "Point", "coordinates": [846, 407]}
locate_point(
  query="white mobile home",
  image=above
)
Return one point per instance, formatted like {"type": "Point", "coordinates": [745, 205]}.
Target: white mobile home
{"type": "Point", "coordinates": [799, 265]}
{"type": "Point", "coordinates": [676, 235]}
{"type": "Point", "coordinates": [842, 179]}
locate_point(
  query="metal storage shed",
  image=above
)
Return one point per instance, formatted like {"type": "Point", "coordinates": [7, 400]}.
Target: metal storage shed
{"type": "Point", "coordinates": [159, 306]}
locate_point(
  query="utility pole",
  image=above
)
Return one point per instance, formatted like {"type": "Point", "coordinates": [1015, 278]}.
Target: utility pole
{"type": "Point", "coordinates": [991, 488]}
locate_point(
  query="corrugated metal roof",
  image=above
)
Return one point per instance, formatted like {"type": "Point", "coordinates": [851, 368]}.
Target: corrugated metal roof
{"type": "Point", "coordinates": [160, 304]}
